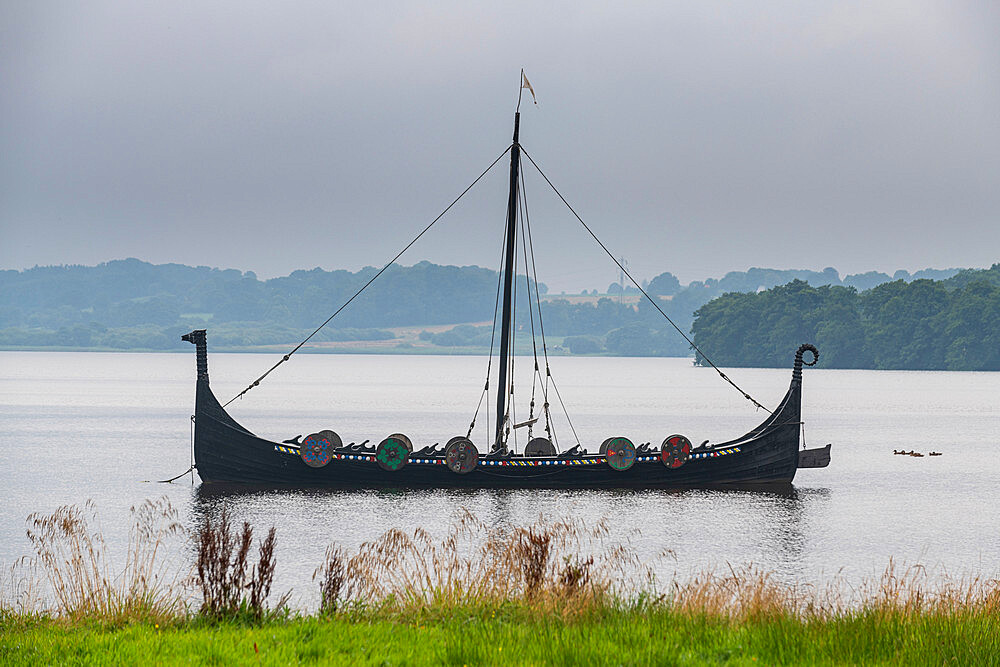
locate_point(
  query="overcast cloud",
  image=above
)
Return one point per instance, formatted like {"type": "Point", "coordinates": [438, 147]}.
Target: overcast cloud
{"type": "Point", "coordinates": [696, 137]}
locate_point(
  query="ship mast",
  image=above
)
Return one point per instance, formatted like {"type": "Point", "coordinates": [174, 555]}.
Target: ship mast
{"type": "Point", "coordinates": [508, 283]}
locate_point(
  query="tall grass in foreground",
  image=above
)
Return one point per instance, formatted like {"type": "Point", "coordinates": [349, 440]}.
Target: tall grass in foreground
{"type": "Point", "coordinates": [228, 588]}
{"type": "Point", "coordinates": [565, 569]}
{"type": "Point", "coordinates": [562, 565]}
{"type": "Point", "coordinates": [570, 568]}
{"type": "Point", "coordinates": [751, 593]}
{"type": "Point", "coordinates": [71, 557]}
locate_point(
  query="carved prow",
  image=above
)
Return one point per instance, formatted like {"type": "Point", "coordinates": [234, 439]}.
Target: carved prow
{"type": "Point", "coordinates": [201, 351]}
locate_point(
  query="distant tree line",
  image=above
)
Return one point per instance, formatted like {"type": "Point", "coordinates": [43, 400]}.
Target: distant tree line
{"type": "Point", "coordinates": [130, 304]}
{"type": "Point", "coordinates": [952, 324]}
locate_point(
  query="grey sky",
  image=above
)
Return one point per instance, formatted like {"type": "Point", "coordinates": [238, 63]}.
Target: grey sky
{"type": "Point", "coordinates": [696, 137]}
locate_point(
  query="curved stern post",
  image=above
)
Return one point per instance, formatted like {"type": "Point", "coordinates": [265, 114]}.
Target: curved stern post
{"type": "Point", "coordinates": [791, 407]}
{"type": "Point", "coordinates": [775, 442]}
{"type": "Point", "coordinates": [808, 458]}
{"type": "Point", "coordinates": [788, 416]}
{"type": "Point", "coordinates": [797, 370]}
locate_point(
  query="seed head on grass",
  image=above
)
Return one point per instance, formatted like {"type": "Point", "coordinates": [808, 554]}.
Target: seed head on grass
{"type": "Point", "coordinates": [263, 574]}
{"type": "Point", "coordinates": [332, 577]}
{"type": "Point", "coordinates": [71, 553]}
{"type": "Point", "coordinates": [562, 568]}
{"type": "Point", "coordinates": [227, 589]}
{"type": "Point", "coordinates": [564, 565]}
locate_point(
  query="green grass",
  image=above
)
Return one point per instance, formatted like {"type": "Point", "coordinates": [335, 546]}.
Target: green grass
{"type": "Point", "coordinates": [516, 636]}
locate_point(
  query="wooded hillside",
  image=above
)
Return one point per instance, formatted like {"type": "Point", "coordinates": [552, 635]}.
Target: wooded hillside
{"type": "Point", "coordinates": [952, 324]}
{"type": "Point", "coordinates": [130, 304]}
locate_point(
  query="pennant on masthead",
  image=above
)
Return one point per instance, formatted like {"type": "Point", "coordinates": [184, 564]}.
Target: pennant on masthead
{"type": "Point", "coordinates": [527, 84]}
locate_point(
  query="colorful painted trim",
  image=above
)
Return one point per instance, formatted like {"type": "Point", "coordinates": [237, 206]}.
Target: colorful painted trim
{"type": "Point", "coordinates": [589, 461]}
{"type": "Point", "coordinates": [294, 451]}
{"type": "Point", "coordinates": [715, 454]}
{"type": "Point", "coordinates": [354, 457]}
{"type": "Point", "coordinates": [552, 462]}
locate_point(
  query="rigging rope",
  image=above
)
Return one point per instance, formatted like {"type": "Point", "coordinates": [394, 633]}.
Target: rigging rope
{"type": "Point", "coordinates": [167, 481]}
{"type": "Point", "coordinates": [566, 412]}
{"type": "Point", "coordinates": [549, 424]}
{"type": "Point", "coordinates": [528, 245]}
{"type": "Point", "coordinates": [489, 363]}
{"type": "Point", "coordinates": [531, 320]}
{"type": "Point", "coordinates": [639, 287]}
{"type": "Point", "coordinates": [373, 278]}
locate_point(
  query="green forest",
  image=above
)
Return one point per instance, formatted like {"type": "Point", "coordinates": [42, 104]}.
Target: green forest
{"type": "Point", "coordinates": [134, 305]}
{"type": "Point", "coordinates": [930, 319]}
{"type": "Point", "coordinates": [951, 324]}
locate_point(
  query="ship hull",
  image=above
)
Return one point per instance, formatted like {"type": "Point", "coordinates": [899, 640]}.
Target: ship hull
{"type": "Point", "coordinates": [226, 452]}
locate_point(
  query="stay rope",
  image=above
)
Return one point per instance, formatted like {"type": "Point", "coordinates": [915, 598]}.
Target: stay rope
{"type": "Point", "coordinates": [373, 279]}
{"type": "Point", "coordinates": [531, 321]}
{"type": "Point", "coordinates": [549, 423]}
{"type": "Point", "coordinates": [489, 363]}
{"type": "Point", "coordinates": [176, 477]}
{"type": "Point", "coordinates": [550, 428]}
{"type": "Point", "coordinates": [639, 287]}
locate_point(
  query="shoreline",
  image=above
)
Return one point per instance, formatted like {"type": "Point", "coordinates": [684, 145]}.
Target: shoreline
{"type": "Point", "coordinates": [280, 350]}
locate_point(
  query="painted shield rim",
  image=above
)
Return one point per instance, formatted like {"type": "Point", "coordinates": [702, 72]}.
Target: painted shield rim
{"type": "Point", "coordinates": [391, 441]}
{"type": "Point", "coordinates": [454, 465]}
{"type": "Point", "coordinates": [675, 450]}
{"type": "Point", "coordinates": [318, 454]}
{"type": "Point", "coordinates": [613, 458]}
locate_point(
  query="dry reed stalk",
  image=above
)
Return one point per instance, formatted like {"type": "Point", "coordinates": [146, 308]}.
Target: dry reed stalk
{"type": "Point", "coordinates": [227, 588]}
{"type": "Point", "coordinates": [263, 574]}
{"type": "Point", "coordinates": [745, 593]}
{"type": "Point", "coordinates": [332, 575]}
{"type": "Point", "coordinates": [71, 552]}
{"type": "Point", "coordinates": [913, 590]}
{"type": "Point", "coordinates": [564, 565]}
{"type": "Point", "coordinates": [568, 567]}
{"type": "Point", "coordinates": [751, 593]}
{"type": "Point", "coordinates": [20, 593]}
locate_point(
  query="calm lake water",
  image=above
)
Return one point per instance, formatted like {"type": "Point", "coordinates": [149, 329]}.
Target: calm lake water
{"type": "Point", "coordinates": [79, 426]}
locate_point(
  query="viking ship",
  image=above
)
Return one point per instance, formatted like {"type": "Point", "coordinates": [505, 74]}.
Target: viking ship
{"type": "Point", "coordinates": [226, 452]}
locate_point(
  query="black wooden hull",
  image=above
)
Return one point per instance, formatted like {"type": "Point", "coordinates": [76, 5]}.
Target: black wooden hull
{"type": "Point", "coordinates": [226, 452]}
